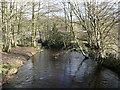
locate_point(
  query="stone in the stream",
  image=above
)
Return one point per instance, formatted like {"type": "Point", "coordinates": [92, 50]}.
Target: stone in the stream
{"type": "Point", "coordinates": [12, 71]}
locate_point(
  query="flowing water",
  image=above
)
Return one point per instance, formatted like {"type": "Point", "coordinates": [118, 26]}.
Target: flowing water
{"type": "Point", "coordinates": [69, 70]}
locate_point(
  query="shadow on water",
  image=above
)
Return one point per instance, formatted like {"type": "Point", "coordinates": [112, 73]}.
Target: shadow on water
{"type": "Point", "coordinates": [51, 70]}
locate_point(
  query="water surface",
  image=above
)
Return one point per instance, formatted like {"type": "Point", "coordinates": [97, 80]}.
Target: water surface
{"type": "Point", "coordinates": [69, 70]}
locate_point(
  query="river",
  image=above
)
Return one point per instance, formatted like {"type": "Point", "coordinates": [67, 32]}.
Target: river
{"type": "Point", "coordinates": [69, 70]}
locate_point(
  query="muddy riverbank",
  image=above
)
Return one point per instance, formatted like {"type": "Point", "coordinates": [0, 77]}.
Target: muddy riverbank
{"type": "Point", "coordinates": [11, 62]}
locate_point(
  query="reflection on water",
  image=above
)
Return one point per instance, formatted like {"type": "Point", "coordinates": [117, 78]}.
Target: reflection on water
{"type": "Point", "coordinates": [70, 70]}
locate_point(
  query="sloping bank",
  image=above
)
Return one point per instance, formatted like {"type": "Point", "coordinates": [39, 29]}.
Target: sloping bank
{"type": "Point", "coordinates": [11, 62]}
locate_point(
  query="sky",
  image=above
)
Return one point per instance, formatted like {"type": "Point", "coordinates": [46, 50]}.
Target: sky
{"type": "Point", "coordinates": [66, 0]}
{"type": "Point", "coordinates": [59, 1]}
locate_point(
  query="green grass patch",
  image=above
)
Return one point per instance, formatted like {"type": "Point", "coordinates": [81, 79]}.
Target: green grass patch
{"type": "Point", "coordinates": [6, 67]}
{"type": "Point", "coordinates": [37, 47]}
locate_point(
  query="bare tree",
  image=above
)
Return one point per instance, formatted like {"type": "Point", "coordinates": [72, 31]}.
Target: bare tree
{"type": "Point", "coordinates": [98, 19]}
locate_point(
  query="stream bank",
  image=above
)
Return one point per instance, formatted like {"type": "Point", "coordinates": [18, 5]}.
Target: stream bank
{"type": "Point", "coordinates": [11, 62]}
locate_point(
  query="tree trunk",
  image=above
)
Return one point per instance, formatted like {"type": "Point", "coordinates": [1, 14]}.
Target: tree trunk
{"type": "Point", "coordinates": [5, 29]}
{"type": "Point", "coordinates": [33, 25]}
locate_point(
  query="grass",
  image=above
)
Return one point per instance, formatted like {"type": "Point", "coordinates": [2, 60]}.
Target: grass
{"type": "Point", "coordinates": [37, 47]}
